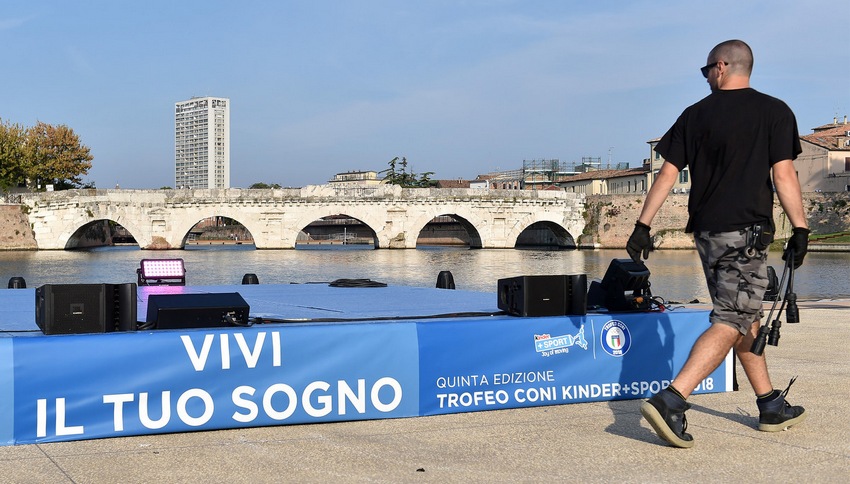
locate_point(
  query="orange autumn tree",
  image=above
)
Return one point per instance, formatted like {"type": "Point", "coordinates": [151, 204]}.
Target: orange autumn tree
{"type": "Point", "coordinates": [55, 156]}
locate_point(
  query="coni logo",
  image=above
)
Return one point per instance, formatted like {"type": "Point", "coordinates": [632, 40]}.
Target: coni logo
{"type": "Point", "coordinates": [616, 338]}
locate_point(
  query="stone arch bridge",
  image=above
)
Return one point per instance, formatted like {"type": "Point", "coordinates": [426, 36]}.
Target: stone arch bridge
{"type": "Point", "coordinates": [162, 219]}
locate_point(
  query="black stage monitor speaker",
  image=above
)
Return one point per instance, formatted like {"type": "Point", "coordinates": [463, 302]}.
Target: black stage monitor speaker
{"type": "Point", "coordinates": [577, 294]}
{"type": "Point", "coordinates": [183, 311]}
{"type": "Point", "coordinates": [626, 274]}
{"type": "Point", "coordinates": [557, 295]}
{"type": "Point", "coordinates": [625, 286]}
{"type": "Point", "coordinates": [85, 308]}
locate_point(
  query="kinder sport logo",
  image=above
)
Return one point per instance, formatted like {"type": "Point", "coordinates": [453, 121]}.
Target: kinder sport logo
{"type": "Point", "coordinates": [547, 344]}
{"type": "Point", "coordinates": [616, 338]}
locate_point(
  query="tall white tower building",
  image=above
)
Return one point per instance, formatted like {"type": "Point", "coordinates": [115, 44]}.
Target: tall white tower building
{"type": "Point", "coordinates": [202, 143]}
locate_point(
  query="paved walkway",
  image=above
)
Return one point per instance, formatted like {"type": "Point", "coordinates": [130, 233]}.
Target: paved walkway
{"type": "Point", "coordinates": [589, 442]}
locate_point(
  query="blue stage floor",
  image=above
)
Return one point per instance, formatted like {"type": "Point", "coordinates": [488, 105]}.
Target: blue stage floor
{"type": "Point", "coordinates": [290, 302]}
{"type": "Point", "coordinates": [397, 360]}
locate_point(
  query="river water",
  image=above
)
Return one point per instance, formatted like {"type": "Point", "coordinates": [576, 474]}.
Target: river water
{"type": "Point", "coordinates": [676, 275]}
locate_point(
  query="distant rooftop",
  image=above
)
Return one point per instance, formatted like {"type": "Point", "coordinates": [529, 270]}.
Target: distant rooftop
{"type": "Point", "coordinates": [831, 136]}
{"type": "Point", "coordinates": [452, 183]}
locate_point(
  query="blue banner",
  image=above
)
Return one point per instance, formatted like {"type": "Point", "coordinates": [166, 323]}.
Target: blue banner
{"type": "Point", "coordinates": [524, 362]}
{"type": "Point", "coordinates": [89, 386]}
{"type": "Point", "coordinates": [7, 392]}
{"type": "Point", "coordinates": [74, 387]}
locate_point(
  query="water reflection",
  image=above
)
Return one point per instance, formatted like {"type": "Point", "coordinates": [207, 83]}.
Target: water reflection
{"type": "Point", "coordinates": [676, 275]}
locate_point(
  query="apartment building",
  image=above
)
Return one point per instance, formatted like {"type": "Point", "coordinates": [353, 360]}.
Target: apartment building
{"type": "Point", "coordinates": [202, 143]}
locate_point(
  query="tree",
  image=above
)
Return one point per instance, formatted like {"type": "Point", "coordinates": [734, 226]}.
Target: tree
{"type": "Point", "coordinates": [425, 180]}
{"type": "Point", "coordinates": [391, 176]}
{"type": "Point", "coordinates": [404, 178]}
{"type": "Point", "coordinates": [262, 185]}
{"type": "Point", "coordinates": [56, 156]}
{"type": "Point", "coordinates": [12, 155]}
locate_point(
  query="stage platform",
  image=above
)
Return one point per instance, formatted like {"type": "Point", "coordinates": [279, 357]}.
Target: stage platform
{"type": "Point", "coordinates": [345, 353]}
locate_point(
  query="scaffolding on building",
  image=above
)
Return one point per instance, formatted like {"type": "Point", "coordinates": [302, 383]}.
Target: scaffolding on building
{"type": "Point", "coordinates": [537, 173]}
{"type": "Point", "coordinates": [540, 173]}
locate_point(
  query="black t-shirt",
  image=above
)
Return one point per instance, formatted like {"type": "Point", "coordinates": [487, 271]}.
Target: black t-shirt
{"type": "Point", "coordinates": [730, 140]}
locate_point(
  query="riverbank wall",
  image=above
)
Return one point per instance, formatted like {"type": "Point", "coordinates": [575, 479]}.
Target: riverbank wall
{"type": "Point", "coordinates": [610, 221]}
{"type": "Point", "coordinates": [15, 230]}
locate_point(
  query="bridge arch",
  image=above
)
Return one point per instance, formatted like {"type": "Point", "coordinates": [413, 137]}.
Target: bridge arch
{"type": "Point", "coordinates": [328, 227]}
{"type": "Point", "coordinates": [93, 233]}
{"type": "Point", "coordinates": [192, 217]}
{"type": "Point", "coordinates": [305, 218]}
{"type": "Point", "coordinates": [73, 230]}
{"type": "Point", "coordinates": [419, 224]}
{"type": "Point", "coordinates": [561, 235]}
{"type": "Point", "coordinates": [217, 229]}
{"type": "Point", "coordinates": [545, 234]}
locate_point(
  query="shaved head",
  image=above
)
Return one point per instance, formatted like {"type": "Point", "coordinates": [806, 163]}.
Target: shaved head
{"type": "Point", "coordinates": [737, 53]}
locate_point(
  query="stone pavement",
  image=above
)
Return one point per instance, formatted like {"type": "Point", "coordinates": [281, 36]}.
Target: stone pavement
{"type": "Point", "coordinates": [588, 442]}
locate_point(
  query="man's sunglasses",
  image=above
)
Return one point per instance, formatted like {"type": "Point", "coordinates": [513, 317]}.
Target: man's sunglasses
{"type": "Point", "coordinates": [707, 68]}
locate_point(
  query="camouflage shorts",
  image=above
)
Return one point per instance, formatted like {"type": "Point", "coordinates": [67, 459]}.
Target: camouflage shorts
{"type": "Point", "coordinates": [736, 280]}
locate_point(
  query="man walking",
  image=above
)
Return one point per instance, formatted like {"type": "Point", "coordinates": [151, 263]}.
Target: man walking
{"type": "Point", "coordinates": [731, 141]}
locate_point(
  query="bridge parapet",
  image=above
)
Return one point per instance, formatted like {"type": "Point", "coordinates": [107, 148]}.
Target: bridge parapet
{"type": "Point", "coordinates": [162, 219]}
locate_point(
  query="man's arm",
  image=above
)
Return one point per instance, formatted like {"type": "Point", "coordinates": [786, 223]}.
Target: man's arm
{"type": "Point", "coordinates": [789, 193]}
{"type": "Point", "coordinates": [640, 243]}
{"type": "Point", "coordinates": [791, 198]}
{"type": "Point", "coordinates": [658, 192]}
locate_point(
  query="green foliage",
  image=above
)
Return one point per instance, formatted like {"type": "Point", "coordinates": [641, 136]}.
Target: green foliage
{"type": "Point", "coordinates": [592, 215]}
{"type": "Point", "coordinates": [56, 156]}
{"type": "Point", "coordinates": [261, 185]}
{"type": "Point", "coordinates": [836, 238]}
{"type": "Point", "coordinates": [12, 155]}
{"type": "Point", "coordinates": [42, 155]}
{"type": "Point", "coordinates": [398, 174]}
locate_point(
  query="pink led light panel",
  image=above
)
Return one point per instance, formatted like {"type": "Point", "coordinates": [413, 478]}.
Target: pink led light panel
{"type": "Point", "coordinates": [153, 268]}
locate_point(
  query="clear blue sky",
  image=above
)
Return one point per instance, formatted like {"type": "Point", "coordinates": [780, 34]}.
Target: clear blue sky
{"type": "Point", "coordinates": [458, 87]}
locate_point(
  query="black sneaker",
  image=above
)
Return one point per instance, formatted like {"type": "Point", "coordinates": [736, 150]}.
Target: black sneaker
{"type": "Point", "coordinates": [665, 411]}
{"type": "Point", "coordinates": [776, 414]}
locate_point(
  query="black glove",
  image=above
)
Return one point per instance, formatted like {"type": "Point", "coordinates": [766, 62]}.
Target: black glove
{"type": "Point", "coordinates": [639, 242]}
{"type": "Point", "coordinates": [799, 244]}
